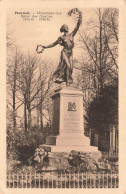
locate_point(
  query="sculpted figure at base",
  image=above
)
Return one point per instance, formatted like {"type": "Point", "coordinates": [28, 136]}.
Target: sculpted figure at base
{"type": "Point", "coordinates": [64, 70]}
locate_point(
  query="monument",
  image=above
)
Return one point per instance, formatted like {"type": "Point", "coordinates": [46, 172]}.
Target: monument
{"type": "Point", "coordinates": [67, 131]}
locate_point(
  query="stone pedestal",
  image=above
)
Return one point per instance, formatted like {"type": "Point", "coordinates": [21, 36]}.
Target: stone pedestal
{"type": "Point", "coordinates": [67, 132]}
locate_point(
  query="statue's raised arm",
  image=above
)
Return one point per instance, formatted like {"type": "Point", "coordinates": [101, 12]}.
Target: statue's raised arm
{"type": "Point", "coordinates": [79, 22]}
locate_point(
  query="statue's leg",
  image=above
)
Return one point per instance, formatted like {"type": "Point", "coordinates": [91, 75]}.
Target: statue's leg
{"type": "Point", "coordinates": [69, 71]}
{"type": "Point", "coordinates": [68, 76]}
{"type": "Point", "coordinates": [68, 64]}
{"type": "Point", "coordinates": [66, 59]}
{"type": "Point", "coordinates": [71, 68]}
{"type": "Point", "coordinates": [58, 75]}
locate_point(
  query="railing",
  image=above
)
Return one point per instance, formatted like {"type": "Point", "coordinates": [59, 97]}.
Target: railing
{"type": "Point", "coordinates": [63, 180]}
{"type": "Point", "coordinates": [110, 154]}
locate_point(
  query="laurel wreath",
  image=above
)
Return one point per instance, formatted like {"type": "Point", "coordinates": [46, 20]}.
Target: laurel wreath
{"type": "Point", "coordinates": [39, 49]}
{"type": "Point", "coordinates": [76, 11]}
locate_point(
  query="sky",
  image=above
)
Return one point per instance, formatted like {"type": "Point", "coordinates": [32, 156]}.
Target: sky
{"type": "Point", "coordinates": [28, 34]}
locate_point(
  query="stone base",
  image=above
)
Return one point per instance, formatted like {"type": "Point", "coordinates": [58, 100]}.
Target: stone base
{"type": "Point", "coordinates": [68, 141]}
{"type": "Point", "coordinates": [67, 132]}
{"type": "Point", "coordinates": [67, 149]}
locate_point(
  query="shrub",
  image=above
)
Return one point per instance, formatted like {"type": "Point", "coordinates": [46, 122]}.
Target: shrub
{"type": "Point", "coordinates": [21, 146]}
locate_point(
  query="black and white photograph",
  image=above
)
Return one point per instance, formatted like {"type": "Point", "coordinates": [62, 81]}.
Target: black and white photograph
{"type": "Point", "coordinates": [62, 97]}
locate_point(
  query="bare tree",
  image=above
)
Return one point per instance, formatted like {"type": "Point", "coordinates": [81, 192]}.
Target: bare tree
{"type": "Point", "coordinates": [42, 99]}
{"type": "Point", "coordinates": [13, 63]}
{"type": "Point", "coordinates": [34, 86]}
{"type": "Point", "coordinates": [26, 86]}
{"type": "Point", "coordinates": [100, 45]}
{"type": "Point", "coordinates": [10, 40]}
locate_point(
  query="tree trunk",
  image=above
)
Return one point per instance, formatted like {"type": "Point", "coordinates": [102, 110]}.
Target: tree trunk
{"type": "Point", "coordinates": [100, 54]}
{"type": "Point", "coordinates": [37, 117]}
{"type": "Point", "coordinates": [14, 112]}
{"type": "Point", "coordinates": [40, 104]}
{"type": "Point", "coordinates": [25, 118]}
{"type": "Point", "coordinates": [29, 118]}
{"type": "Point", "coordinates": [41, 118]}
{"type": "Point", "coordinates": [14, 97]}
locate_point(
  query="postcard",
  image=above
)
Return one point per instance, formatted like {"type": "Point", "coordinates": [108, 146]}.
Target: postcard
{"type": "Point", "coordinates": [62, 96]}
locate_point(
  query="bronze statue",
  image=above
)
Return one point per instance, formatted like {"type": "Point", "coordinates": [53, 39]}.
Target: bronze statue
{"type": "Point", "coordinates": [64, 70]}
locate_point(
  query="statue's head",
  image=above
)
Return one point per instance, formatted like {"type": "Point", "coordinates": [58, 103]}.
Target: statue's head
{"type": "Point", "coordinates": [64, 28]}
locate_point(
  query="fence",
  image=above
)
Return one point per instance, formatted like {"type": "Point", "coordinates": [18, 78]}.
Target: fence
{"type": "Point", "coordinates": [63, 180]}
{"type": "Point", "coordinates": [110, 154]}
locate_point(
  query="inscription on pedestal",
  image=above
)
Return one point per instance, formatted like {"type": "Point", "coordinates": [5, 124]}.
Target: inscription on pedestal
{"type": "Point", "coordinates": [71, 113]}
